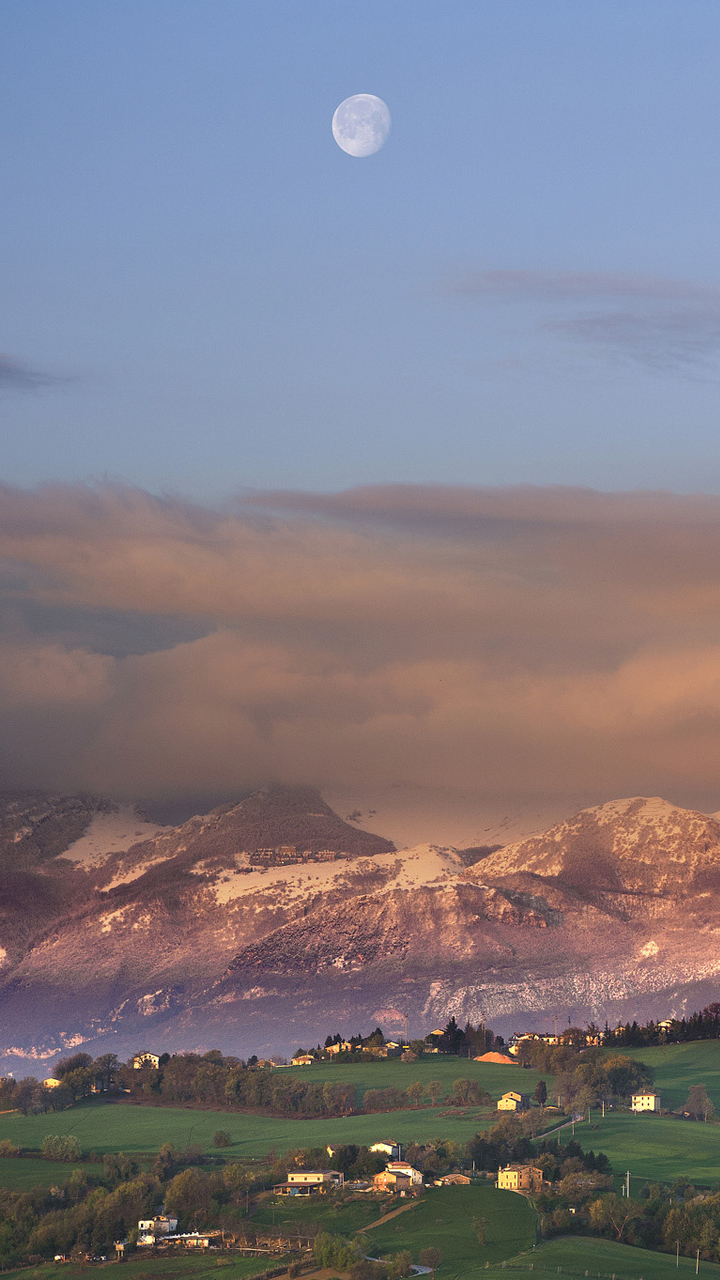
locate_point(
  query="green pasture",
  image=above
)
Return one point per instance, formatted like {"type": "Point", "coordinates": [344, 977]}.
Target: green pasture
{"type": "Point", "coordinates": [444, 1218]}
{"type": "Point", "coordinates": [654, 1148]}
{"type": "Point", "coordinates": [106, 1127]}
{"type": "Point", "coordinates": [392, 1073]}
{"type": "Point", "coordinates": [178, 1268]}
{"type": "Point", "coordinates": [21, 1173]}
{"type": "Point", "coordinates": [340, 1217]}
{"type": "Point", "coordinates": [585, 1256]}
{"type": "Point", "coordinates": [679, 1066]}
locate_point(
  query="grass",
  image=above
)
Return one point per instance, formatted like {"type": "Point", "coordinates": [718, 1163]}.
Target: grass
{"type": "Point", "coordinates": [342, 1218]}
{"type": "Point", "coordinates": [22, 1173]}
{"type": "Point", "coordinates": [495, 1078]}
{"type": "Point", "coordinates": [106, 1127]}
{"type": "Point", "coordinates": [678, 1066]}
{"type": "Point", "coordinates": [654, 1148]}
{"type": "Point", "coordinates": [444, 1218]}
{"type": "Point", "coordinates": [583, 1256]}
{"type": "Point", "coordinates": [180, 1268]}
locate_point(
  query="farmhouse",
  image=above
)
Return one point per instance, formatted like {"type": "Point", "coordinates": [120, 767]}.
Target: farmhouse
{"type": "Point", "coordinates": [303, 1060]}
{"type": "Point", "coordinates": [453, 1180]}
{"type": "Point", "coordinates": [520, 1177]}
{"type": "Point", "coordinates": [398, 1175]}
{"type": "Point", "coordinates": [145, 1059]}
{"type": "Point", "coordinates": [51, 1083]}
{"type": "Point", "coordinates": [343, 1047]}
{"type": "Point", "coordinates": [514, 1101]}
{"type": "Point", "coordinates": [152, 1229]}
{"type": "Point", "coordinates": [308, 1182]}
{"type": "Point", "coordinates": [389, 1148]}
{"type": "Point", "coordinates": [645, 1102]}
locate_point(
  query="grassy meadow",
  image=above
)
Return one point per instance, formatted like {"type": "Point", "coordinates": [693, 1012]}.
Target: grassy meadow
{"type": "Point", "coordinates": [587, 1256]}
{"type": "Point", "coordinates": [106, 1127]}
{"type": "Point", "coordinates": [22, 1173]}
{"type": "Point", "coordinates": [391, 1073]}
{"type": "Point", "coordinates": [654, 1148]}
{"type": "Point", "coordinates": [140, 1266]}
{"type": "Point", "coordinates": [679, 1066]}
{"type": "Point", "coordinates": [444, 1218]}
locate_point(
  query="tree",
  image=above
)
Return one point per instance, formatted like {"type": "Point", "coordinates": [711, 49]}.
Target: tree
{"type": "Point", "coordinates": [401, 1265]}
{"type": "Point", "coordinates": [480, 1226]}
{"type": "Point", "coordinates": [435, 1089]}
{"type": "Point", "coordinates": [540, 1094]}
{"type": "Point", "coordinates": [415, 1092]}
{"type": "Point", "coordinates": [221, 1138]}
{"type": "Point", "coordinates": [698, 1103]}
{"type": "Point", "coordinates": [430, 1257]}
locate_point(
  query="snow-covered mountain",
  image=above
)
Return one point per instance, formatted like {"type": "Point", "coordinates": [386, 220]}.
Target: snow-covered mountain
{"type": "Point", "coordinates": [116, 932]}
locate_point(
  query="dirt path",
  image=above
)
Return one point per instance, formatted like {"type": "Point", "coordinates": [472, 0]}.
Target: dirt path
{"type": "Point", "coordinates": [387, 1216]}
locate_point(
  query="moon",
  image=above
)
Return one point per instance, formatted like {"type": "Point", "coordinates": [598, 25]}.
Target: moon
{"type": "Point", "coordinates": [361, 124]}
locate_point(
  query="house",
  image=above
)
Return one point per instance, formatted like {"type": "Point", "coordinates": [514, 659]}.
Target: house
{"type": "Point", "coordinates": [152, 1229]}
{"type": "Point", "coordinates": [398, 1175]}
{"type": "Point", "coordinates": [645, 1102]}
{"type": "Point", "coordinates": [52, 1083]}
{"type": "Point", "coordinates": [389, 1148]}
{"type": "Point", "coordinates": [513, 1101]}
{"type": "Point", "coordinates": [302, 1060]}
{"type": "Point", "coordinates": [453, 1180]}
{"type": "Point", "coordinates": [343, 1047]}
{"type": "Point", "coordinates": [520, 1177]}
{"type": "Point", "coordinates": [146, 1059]}
{"type": "Point", "coordinates": [193, 1239]}
{"type": "Point", "coordinates": [308, 1182]}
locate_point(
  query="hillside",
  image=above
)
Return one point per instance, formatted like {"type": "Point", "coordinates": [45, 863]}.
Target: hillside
{"type": "Point", "coordinates": [118, 932]}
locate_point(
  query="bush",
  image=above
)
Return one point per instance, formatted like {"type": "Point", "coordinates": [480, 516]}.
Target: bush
{"type": "Point", "coordinates": [8, 1148]}
{"type": "Point", "coordinates": [221, 1138]}
{"type": "Point", "coordinates": [60, 1147]}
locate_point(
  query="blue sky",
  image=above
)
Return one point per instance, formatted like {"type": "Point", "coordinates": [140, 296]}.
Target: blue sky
{"type": "Point", "coordinates": [202, 293]}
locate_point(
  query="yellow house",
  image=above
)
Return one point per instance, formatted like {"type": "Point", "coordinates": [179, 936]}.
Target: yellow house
{"type": "Point", "coordinates": [520, 1177]}
{"type": "Point", "coordinates": [146, 1059]}
{"type": "Point", "coordinates": [645, 1102]}
{"type": "Point", "coordinates": [52, 1083]}
{"type": "Point", "coordinates": [513, 1101]}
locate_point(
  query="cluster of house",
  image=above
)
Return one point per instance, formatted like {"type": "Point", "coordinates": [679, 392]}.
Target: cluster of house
{"type": "Point", "coordinates": [285, 854]}
{"type": "Point", "coordinates": [162, 1231]}
{"type": "Point", "coordinates": [390, 1049]}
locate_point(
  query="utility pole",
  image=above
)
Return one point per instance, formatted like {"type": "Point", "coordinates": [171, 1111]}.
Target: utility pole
{"type": "Point", "coordinates": [697, 1262]}
{"type": "Point", "coordinates": [603, 1115]}
{"type": "Point", "coordinates": [627, 1184]}
{"type": "Point", "coordinates": [677, 1254]}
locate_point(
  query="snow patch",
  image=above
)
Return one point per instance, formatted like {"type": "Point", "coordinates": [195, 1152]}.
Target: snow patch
{"type": "Point", "coordinates": [110, 833]}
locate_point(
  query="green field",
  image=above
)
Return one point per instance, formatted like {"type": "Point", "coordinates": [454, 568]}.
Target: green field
{"type": "Point", "coordinates": [339, 1217]}
{"type": "Point", "coordinates": [22, 1173]}
{"type": "Point", "coordinates": [585, 1256]}
{"type": "Point", "coordinates": [179, 1268]}
{"type": "Point", "coordinates": [105, 1127]}
{"type": "Point", "coordinates": [444, 1218]}
{"type": "Point", "coordinates": [495, 1078]}
{"type": "Point", "coordinates": [678, 1066]}
{"type": "Point", "coordinates": [655, 1148]}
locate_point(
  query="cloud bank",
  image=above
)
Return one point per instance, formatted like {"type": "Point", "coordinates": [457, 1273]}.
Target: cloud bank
{"type": "Point", "coordinates": [521, 644]}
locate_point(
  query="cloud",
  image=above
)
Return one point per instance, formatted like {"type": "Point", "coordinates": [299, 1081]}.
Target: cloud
{"type": "Point", "coordinates": [666, 325]}
{"type": "Point", "coordinates": [16, 376]}
{"type": "Point", "coordinates": [524, 644]}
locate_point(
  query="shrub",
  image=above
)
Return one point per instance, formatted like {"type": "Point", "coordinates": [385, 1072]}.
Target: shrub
{"type": "Point", "coordinates": [221, 1138]}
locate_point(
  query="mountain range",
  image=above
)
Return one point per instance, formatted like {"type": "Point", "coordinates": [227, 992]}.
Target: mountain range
{"type": "Point", "coordinates": [267, 923]}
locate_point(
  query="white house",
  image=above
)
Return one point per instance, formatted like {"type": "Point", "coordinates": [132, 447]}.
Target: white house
{"type": "Point", "coordinates": [405, 1170]}
{"type": "Point", "coordinates": [152, 1229]}
{"type": "Point", "coordinates": [387, 1148]}
{"type": "Point", "coordinates": [645, 1102]}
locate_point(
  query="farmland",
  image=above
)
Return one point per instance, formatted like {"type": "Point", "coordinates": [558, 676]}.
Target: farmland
{"type": "Point", "coordinates": [493, 1077]}
{"type": "Point", "coordinates": [22, 1173]}
{"type": "Point", "coordinates": [584, 1255]}
{"type": "Point", "coordinates": [655, 1148]}
{"type": "Point", "coordinates": [140, 1267]}
{"type": "Point", "coordinates": [678, 1066]}
{"type": "Point", "coordinates": [444, 1218]}
{"type": "Point", "coordinates": [106, 1127]}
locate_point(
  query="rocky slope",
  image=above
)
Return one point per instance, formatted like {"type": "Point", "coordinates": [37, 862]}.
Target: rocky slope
{"type": "Point", "coordinates": [174, 937]}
